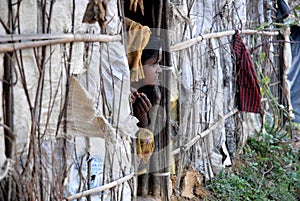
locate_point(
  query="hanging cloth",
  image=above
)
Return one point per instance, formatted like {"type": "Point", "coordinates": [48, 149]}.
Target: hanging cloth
{"type": "Point", "coordinates": [248, 91]}
{"type": "Point", "coordinates": [283, 10]}
{"type": "Point", "coordinates": [137, 39]}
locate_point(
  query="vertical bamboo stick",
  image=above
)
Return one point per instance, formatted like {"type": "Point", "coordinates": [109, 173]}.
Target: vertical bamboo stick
{"type": "Point", "coordinates": [8, 113]}
{"type": "Point", "coordinates": [135, 169]}
{"type": "Point", "coordinates": [155, 126]}
{"type": "Point", "coordinates": [166, 137]}
{"type": "Point", "coordinates": [8, 101]}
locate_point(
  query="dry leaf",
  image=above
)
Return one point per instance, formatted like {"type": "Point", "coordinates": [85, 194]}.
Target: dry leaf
{"type": "Point", "coordinates": [134, 3]}
{"type": "Point", "coordinates": [96, 11]}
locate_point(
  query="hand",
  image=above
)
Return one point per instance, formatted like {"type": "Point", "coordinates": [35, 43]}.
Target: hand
{"type": "Point", "coordinates": [141, 103]}
{"type": "Point", "coordinates": [141, 106]}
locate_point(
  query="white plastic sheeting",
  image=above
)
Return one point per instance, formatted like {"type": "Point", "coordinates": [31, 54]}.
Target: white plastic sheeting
{"type": "Point", "coordinates": [201, 78]}
{"type": "Point", "coordinates": [104, 160]}
{"type": "Point", "coordinates": [106, 79]}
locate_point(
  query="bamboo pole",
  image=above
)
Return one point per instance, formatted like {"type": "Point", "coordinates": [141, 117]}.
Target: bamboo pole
{"type": "Point", "coordinates": [8, 116]}
{"type": "Point", "coordinates": [287, 64]}
{"type": "Point", "coordinates": [46, 36]}
{"type": "Point", "coordinates": [101, 188]}
{"type": "Point", "coordinates": [193, 41]}
{"type": "Point", "coordinates": [203, 134]}
{"type": "Point", "coordinates": [51, 39]}
{"type": "Point", "coordinates": [165, 180]}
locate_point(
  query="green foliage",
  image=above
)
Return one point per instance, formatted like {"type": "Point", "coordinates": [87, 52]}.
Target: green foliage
{"type": "Point", "coordinates": [269, 170]}
{"type": "Point", "coordinates": [279, 26]}
{"type": "Point", "coordinates": [297, 8]}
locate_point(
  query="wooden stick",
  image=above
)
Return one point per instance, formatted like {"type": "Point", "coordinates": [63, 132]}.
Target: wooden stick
{"type": "Point", "coordinates": [193, 41]}
{"type": "Point", "coordinates": [203, 134]}
{"type": "Point", "coordinates": [101, 188]}
{"type": "Point", "coordinates": [51, 39]}
{"type": "Point", "coordinates": [16, 37]}
{"type": "Point", "coordinates": [165, 181]}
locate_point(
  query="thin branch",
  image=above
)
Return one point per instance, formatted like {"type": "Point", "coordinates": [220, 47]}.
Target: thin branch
{"type": "Point", "coordinates": [4, 26]}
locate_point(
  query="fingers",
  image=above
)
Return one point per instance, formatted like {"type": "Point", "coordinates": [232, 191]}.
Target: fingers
{"type": "Point", "coordinates": [141, 109]}
{"type": "Point", "coordinates": [145, 101]}
{"type": "Point", "coordinates": [134, 96]}
{"type": "Point", "coordinates": [141, 103]}
{"type": "Point", "coordinates": [133, 90]}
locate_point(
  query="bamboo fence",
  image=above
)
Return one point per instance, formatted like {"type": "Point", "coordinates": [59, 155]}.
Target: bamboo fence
{"type": "Point", "coordinates": [9, 43]}
{"type": "Point", "coordinates": [13, 42]}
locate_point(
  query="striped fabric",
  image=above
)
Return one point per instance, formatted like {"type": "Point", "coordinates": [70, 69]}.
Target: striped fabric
{"type": "Point", "coordinates": [248, 92]}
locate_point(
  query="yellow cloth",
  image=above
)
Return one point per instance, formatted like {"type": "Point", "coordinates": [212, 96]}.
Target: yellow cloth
{"type": "Point", "coordinates": [137, 39]}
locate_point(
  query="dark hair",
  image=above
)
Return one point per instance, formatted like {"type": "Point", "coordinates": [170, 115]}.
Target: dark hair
{"type": "Point", "coordinates": [152, 49]}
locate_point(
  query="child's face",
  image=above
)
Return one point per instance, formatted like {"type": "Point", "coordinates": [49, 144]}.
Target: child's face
{"type": "Point", "coordinates": [152, 70]}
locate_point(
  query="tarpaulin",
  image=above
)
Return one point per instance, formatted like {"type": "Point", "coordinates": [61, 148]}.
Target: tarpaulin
{"type": "Point", "coordinates": [294, 73]}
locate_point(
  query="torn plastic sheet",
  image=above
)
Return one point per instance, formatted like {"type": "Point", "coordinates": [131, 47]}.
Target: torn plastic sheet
{"type": "Point", "coordinates": [82, 117]}
{"type": "Point", "coordinates": [103, 90]}
{"type": "Point", "coordinates": [107, 81]}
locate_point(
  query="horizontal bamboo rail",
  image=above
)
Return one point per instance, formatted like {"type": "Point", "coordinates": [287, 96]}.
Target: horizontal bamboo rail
{"type": "Point", "coordinates": [17, 42]}
{"type": "Point", "coordinates": [101, 188]}
{"type": "Point", "coordinates": [193, 41]}
{"type": "Point", "coordinates": [203, 134]}
{"type": "Point", "coordinates": [23, 41]}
